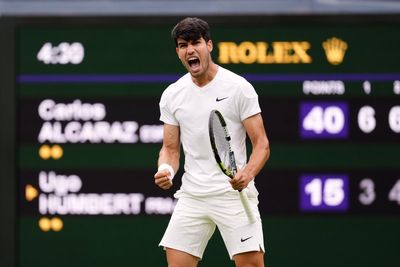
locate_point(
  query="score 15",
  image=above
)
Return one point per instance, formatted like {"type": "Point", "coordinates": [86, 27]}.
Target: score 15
{"type": "Point", "coordinates": [324, 192]}
{"type": "Point", "coordinates": [324, 120]}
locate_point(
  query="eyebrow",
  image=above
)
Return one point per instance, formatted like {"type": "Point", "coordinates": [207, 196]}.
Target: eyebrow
{"type": "Point", "coordinates": [183, 41]}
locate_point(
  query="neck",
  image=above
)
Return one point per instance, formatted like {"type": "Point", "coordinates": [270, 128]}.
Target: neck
{"type": "Point", "coordinates": [207, 77]}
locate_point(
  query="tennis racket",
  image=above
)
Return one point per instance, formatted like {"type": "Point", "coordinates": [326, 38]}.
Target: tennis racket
{"type": "Point", "coordinates": [221, 146]}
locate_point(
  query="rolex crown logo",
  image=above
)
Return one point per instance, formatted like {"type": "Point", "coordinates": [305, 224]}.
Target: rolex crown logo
{"type": "Point", "coordinates": [335, 49]}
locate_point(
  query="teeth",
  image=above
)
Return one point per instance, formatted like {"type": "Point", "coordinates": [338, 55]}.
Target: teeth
{"type": "Point", "coordinates": [192, 58]}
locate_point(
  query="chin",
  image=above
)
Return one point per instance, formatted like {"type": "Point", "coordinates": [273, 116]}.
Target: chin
{"type": "Point", "coordinates": [197, 73]}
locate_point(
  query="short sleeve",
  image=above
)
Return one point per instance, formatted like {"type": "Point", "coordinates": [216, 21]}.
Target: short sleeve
{"type": "Point", "coordinates": [166, 114]}
{"type": "Point", "coordinates": [248, 101]}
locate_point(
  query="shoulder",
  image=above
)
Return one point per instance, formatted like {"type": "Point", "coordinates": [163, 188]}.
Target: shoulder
{"type": "Point", "coordinates": [228, 75]}
{"type": "Point", "coordinates": [236, 81]}
{"type": "Point", "coordinates": [179, 84]}
{"type": "Point", "coordinates": [177, 87]}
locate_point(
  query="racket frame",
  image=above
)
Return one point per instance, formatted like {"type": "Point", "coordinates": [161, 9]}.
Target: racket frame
{"type": "Point", "coordinates": [230, 173]}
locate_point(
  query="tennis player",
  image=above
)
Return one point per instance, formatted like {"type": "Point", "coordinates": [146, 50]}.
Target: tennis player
{"type": "Point", "coordinates": [207, 197]}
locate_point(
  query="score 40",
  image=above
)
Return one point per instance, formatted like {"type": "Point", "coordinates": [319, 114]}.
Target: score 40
{"type": "Point", "coordinates": [331, 119]}
{"type": "Point", "coordinates": [324, 120]}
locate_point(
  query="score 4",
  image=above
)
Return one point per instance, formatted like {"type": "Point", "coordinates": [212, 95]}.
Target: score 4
{"type": "Point", "coordinates": [324, 192]}
{"type": "Point", "coordinates": [324, 120]}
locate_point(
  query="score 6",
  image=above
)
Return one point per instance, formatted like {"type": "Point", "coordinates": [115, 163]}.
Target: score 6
{"type": "Point", "coordinates": [324, 120]}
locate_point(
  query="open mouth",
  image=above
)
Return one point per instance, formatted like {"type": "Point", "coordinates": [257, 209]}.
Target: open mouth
{"type": "Point", "coordinates": [194, 63]}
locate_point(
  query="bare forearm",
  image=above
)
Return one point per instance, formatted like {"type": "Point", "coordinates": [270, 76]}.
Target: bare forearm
{"type": "Point", "coordinates": [170, 151]}
{"type": "Point", "coordinates": [255, 129]}
{"type": "Point", "coordinates": [258, 158]}
{"type": "Point", "coordinates": [168, 159]}
{"type": "Point", "coordinates": [169, 156]}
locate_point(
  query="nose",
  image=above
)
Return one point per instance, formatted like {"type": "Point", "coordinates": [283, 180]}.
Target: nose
{"type": "Point", "coordinates": [190, 49]}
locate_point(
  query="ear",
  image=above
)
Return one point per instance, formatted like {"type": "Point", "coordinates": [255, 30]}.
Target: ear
{"type": "Point", "coordinates": [209, 46]}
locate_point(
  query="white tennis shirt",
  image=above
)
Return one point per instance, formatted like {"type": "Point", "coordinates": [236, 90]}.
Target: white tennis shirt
{"type": "Point", "coordinates": [188, 106]}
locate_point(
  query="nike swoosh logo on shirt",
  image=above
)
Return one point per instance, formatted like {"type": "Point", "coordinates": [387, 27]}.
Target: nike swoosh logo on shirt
{"type": "Point", "coordinates": [220, 99]}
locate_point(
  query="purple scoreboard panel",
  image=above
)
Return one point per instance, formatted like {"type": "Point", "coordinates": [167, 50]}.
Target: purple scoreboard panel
{"type": "Point", "coordinates": [324, 120]}
{"type": "Point", "coordinates": [324, 192]}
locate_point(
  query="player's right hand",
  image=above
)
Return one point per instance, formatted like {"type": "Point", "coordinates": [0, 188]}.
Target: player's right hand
{"type": "Point", "coordinates": [163, 179]}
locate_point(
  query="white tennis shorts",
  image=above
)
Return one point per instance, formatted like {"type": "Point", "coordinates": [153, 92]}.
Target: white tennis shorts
{"type": "Point", "coordinates": [194, 220]}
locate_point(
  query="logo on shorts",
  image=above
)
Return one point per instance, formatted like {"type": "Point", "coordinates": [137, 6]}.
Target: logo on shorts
{"type": "Point", "coordinates": [245, 239]}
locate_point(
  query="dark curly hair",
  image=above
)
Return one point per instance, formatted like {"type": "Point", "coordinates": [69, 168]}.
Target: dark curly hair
{"type": "Point", "coordinates": [191, 29]}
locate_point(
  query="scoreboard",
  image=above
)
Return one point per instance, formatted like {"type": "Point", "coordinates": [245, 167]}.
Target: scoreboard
{"type": "Point", "coordinates": [88, 136]}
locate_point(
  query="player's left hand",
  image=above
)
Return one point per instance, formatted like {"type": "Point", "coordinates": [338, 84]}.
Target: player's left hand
{"type": "Point", "coordinates": [241, 180]}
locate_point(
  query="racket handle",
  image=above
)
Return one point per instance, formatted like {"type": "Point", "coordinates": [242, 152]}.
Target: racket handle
{"type": "Point", "coordinates": [246, 206]}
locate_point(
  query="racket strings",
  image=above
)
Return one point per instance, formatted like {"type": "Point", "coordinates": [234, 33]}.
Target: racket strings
{"type": "Point", "coordinates": [222, 142]}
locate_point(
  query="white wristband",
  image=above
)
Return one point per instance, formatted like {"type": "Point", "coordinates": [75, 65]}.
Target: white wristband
{"type": "Point", "coordinates": [166, 166]}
